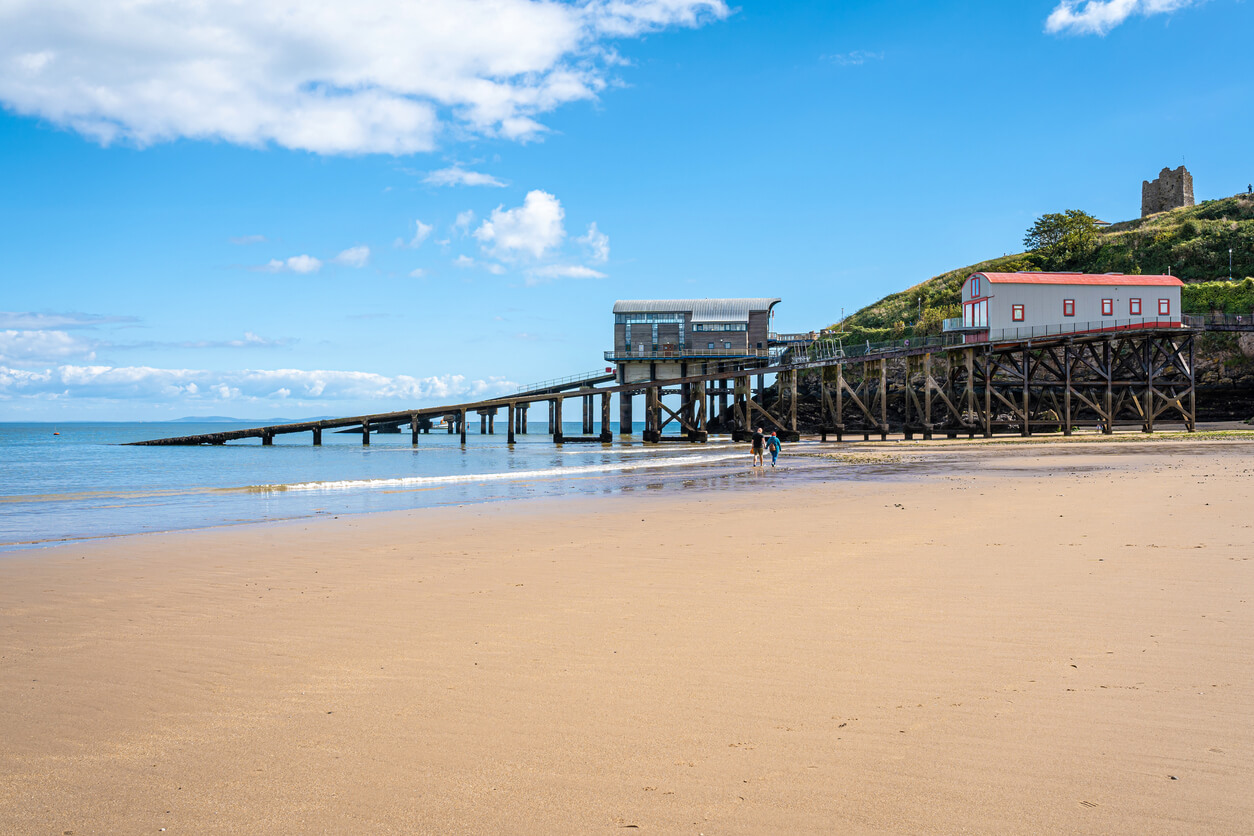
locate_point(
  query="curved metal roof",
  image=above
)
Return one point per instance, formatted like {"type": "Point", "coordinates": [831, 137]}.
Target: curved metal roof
{"type": "Point", "coordinates": [703, 310]}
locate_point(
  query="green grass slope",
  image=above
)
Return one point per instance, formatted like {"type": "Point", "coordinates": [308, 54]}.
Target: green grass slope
{"type": "Point", "coordinates": [1191, 243]}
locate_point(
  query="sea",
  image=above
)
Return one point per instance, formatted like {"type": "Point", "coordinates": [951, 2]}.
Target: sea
{"type": "Point", "coordinates": [75, 481]}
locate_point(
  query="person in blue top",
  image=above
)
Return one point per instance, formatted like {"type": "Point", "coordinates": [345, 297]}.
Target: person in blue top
{"type": "Point", "coordinates": [772, 444]}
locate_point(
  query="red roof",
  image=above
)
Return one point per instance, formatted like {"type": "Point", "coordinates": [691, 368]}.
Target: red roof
{"type": "Point", "coordinates": [1120, 279]}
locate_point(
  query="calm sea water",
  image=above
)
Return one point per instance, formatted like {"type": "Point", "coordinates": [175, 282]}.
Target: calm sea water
{"type": "Point", "coordinates": [83, 483]}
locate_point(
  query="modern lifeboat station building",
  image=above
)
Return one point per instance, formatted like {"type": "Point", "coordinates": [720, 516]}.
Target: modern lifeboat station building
{"type": "Point", "coordinates": [667, 339]}
{"type": "Point", "coordinates": [1025, 305]}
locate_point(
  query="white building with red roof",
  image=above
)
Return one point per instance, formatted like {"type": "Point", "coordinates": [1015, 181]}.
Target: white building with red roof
{"type": "Point", "coordinates": [1023, 305]}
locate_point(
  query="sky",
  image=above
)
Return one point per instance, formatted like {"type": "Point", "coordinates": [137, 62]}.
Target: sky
{"type": "Point", "coordinates": [291, 209]}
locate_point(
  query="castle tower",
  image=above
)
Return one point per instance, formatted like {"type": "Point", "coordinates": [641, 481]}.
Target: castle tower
{"type": "Point", "coordinates": [1171, 190]}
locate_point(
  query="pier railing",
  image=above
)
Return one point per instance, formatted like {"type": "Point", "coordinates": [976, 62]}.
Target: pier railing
{"type": "Point", "coordinates": [593, 376]}
{"type": "Point", "coordinates": [691, 354]}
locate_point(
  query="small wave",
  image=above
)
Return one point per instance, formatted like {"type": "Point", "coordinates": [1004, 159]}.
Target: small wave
{"type": "Point", "coordinates": [507, 475]}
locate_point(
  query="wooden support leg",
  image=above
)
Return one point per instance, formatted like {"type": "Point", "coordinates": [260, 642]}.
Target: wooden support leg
{"type": "Point", "coordinates": [1027, 411]}
{"type": "Point", "coordinates": [1190, 422]}
{"type": "Point", "coordinates": [988, 395]}
{"type": "Point", "coordinates": [883, 399]}
{"type": "Point", "coordinates": [1067, 417]}
{"type": "Point", "coordinates": [792, 400]}
{"type": "Point", "coordinates": [927, 396]}
{"type": "Point", "coordinates": [1149, 385]}
{"type": "Point", "coordinates": [1108, 399]}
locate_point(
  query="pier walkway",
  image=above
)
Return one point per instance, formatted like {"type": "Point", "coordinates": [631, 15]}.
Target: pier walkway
{"type": "Point", "coordinates": [1048, 380]}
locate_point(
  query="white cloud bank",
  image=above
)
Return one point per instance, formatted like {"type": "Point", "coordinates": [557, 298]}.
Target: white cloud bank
{"type": "Point", "coordinates": [1097, 17]}
{"type": "Point", "coordinates": [332, 77]}
{"type": "Point", "coordinates": [187, 385]}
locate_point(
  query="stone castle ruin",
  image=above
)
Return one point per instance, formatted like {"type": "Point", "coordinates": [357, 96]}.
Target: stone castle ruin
{"type": "Point", "coordinates": [1171, 190]}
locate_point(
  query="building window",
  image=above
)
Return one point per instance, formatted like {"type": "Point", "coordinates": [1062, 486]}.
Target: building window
{"type": "Point", "coordinates": [975, 287]}
{"type": "Point", "coordinates": [1068, 307]}
{"type": "Point", "coordinates": [727, 345]}
{"type": "Point", "coordinates": [1016, 313]}
{"type": "Point", "coordinates": [1134, 307]}
{"type": "Point", "coordinates": [1164, 307]}
{"type": "Point", "coordinates": [709, 345]}
{"type": "Point", "coordinates": [1108, 307]}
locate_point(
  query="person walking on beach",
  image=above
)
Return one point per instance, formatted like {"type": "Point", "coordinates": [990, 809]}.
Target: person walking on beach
{"type": "Point", "coordinates": [759, 439]}
{"type": "Point", "coordinates": [772, 444]}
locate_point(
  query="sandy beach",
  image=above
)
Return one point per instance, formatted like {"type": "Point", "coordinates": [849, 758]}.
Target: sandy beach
{"type": "Point", "coordinates": [1050, 639]}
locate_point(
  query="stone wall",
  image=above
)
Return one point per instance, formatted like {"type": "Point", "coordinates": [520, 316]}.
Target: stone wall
{"type": "Point", "coordinates": [1172, 189]}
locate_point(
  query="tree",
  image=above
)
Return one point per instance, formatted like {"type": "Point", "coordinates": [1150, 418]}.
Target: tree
{"type": "Point", "coordinates": [1062, 240]}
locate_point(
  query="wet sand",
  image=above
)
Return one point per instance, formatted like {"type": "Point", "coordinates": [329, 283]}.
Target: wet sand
{"type": "Point", "coordinates": [1045, 640]}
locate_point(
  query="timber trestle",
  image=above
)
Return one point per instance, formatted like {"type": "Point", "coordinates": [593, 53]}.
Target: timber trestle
{"type": "Point", "coordinates": [1107, 379]}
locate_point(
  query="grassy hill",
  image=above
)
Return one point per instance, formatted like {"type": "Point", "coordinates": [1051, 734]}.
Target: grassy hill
{"type": "Point", "coordinates": [1191, 243]}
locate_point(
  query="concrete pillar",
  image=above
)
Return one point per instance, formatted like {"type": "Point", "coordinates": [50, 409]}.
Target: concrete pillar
{"type": "Point", "coordinates": [413, 429]}
{"type": "Point", "coordinates": [492, 422]}
{"type": "Point", "coordinates": [365, 433]}
{"type": "Point", "coordinates": [624, 413]}
{"type": "Point", "coordinates": [605, 417]}
{"type": "Point", "coordinates": [267, 439]}
{"type": "Point", "coordinates": [555, 410]}
{"type": "Point", "coordinates": [317, 436]}
{"type": "Point", "coordinates": [587, 415]}
{"type": "Point", "coordinates": [509, 438]}
{"type": "Point", "coordinates": [461, 425]}
{"type": "Point", "coordinates": [552, 428]}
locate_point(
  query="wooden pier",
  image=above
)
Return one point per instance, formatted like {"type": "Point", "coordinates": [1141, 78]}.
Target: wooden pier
{"type": "Point", "coordinates": [1137, 377]}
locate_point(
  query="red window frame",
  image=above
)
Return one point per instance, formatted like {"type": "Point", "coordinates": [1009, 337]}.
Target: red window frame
{"type": "Point", "coordinates": [1108, 307]}
{"type": "Point", "coordinates": [1164, 307]}
{"type": "Point", "coordinates": [975, 287]}
{"type": "Point", "coordinates": [1016, 313]}
{"type": "Point", "coordinates": [1134, 307]}
{"type": "Point", "coordinates": [1068, 307]}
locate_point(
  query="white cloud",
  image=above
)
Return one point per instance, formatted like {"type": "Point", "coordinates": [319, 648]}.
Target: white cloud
{"type": "Point", "coordinates": [417, 273]}
{"type": "Point", "coordinates": [43, 347]}
{"type": "Point", "coordinates": [464, 220]}
{"type": "Point", "coordinates": [295, 264]}
{"type": "Point", "coordinates": [183, 385]}
{"type": "Point", "coordinates": [25, 320]}
{"type": "Point", "coordinates": [371, 76]}
{"type": "Point", "coordinates": [531, 229]}
{"type": "Point", "coordinates": [463, 261]}
{"type": "Point", "coordinates": [854, 59]}
{"type": "Point", "coordinates": [1097, 17]}
{"type": "Point", "coordinates": [458, 176]}
{"type": "Point", "coordinates": [540, 275]}
{"type": "Point", "coordinates": [421, 233]}
{"type": "Point", "coordinates": [353, 257]}
{"type": "Point", "coordinates": [597, 242]}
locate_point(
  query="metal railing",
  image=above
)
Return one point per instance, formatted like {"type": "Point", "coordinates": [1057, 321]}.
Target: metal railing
{"type": "Point", "coordinates": [834, 349]}
{"type": "Point", "coordinates": [1220, 321]}
{"type": "Point", "coordinates": [1091, 327]}
{"type": "Point", "coordinates": [565, 381]}
{"type": "Point", "coordinates": [689, 353]}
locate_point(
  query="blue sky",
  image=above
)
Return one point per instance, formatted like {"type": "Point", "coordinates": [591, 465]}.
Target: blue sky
{"type": "Point", "coordinates": [300, 209]}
